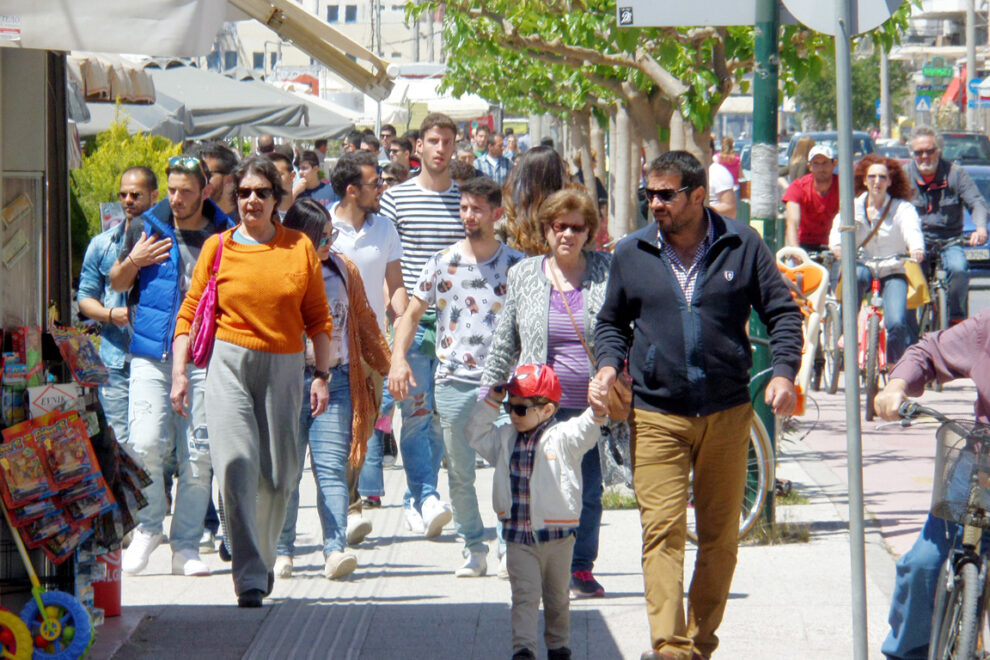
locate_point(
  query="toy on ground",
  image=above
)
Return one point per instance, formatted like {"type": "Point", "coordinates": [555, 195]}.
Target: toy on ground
{"type": "Point", "coordinates": [15, 638]}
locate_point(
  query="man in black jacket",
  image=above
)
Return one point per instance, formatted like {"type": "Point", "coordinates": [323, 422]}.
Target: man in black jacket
{"type": "Point", "coordinates": [679, 296]}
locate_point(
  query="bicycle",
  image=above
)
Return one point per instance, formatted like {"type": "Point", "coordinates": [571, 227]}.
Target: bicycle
{"type": "Point", "coordinates": [809, 284]}
{"type": "Point", "coordinates": [960, 493]}
{"type": "Point", "coordinates": [934, 315]}
{"type": "Point", "coordinates": [760, 464]}
{"type": "Point", "coordinates": [872, 352]}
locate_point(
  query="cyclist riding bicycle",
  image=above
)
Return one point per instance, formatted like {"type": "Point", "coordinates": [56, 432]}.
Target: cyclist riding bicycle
{"type": "Point", "coordinates": [886, 224]}
{"type": "Point", "coordinates": [962, 351]}
{"type": "Point", "coordinates": [939, 190]}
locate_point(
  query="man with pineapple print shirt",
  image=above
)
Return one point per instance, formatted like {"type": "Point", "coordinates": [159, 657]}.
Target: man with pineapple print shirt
{"type": "Point", "coordinates": [467, 283]}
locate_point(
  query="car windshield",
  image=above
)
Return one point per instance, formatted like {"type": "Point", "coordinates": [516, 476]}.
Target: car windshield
{"type": "Point", "coordinates": [966, 147]}
{"type": "Point", "coordinates": [895, 151]}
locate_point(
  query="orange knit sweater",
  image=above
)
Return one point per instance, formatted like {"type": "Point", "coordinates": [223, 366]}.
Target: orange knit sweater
{"type": "Point", "coordinates": [267, 294]}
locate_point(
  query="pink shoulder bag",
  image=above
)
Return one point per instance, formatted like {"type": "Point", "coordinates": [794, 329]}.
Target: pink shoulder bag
{"type": "Point", "coordinates": [204, 325]}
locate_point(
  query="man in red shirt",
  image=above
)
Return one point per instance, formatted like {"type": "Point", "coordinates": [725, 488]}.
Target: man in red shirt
{"type": "Point", "coordinates": [813, 201]}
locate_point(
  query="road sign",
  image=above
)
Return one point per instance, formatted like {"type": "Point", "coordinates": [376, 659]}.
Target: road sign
{"type": "Point", "coordinates": [922, 104]}
{"type": "Point", "coordinates": [651, 13]}
{"type": "Point", "coordinates": [820, 14]}
{"type": "Point", "coordinates": [974, 86]}
{"type": "Point", "coordinates": [877, 103]}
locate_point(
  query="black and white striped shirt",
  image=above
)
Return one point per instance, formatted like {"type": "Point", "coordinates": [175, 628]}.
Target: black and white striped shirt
{"type": "Point", "coordinates": [427, 222]}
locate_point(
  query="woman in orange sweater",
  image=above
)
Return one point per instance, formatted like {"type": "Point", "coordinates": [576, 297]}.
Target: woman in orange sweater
{"type": "Point", "coordinates": [269, 292]}
{"type": "Point", "coordinates": [338, 437]}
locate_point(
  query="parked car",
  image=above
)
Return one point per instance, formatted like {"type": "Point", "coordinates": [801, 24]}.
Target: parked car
{"type": "Point", "coordinates": [862, 142]}
{"type": "Point", "coordinates": [899, 152]}
{"type": "Point", "coordinates": [978, 256]}
{"type": "Point", "coordinates": [966, 147]}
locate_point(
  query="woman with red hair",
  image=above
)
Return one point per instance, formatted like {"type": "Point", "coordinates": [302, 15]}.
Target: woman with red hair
{"type": "Point", "coordinates": [887, 225]}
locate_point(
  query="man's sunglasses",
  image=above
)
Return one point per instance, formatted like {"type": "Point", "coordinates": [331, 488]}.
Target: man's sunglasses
{"type": "Point", "coordinates": [262, 193]}
{"type": "Point", "coordinates": [189, 164]}
{"type": "Point", "coordinates": [666, 195]}
{"type": "Point", "coordinates": [519, 409]}
{"type": "Point", "coordinates": [918, 153]}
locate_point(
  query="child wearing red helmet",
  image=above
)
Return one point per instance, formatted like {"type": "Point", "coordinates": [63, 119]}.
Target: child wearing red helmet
{"type": "Point", "coordinates": [536, 493]}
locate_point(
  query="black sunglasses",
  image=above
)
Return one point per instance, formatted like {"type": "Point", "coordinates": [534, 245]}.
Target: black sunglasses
{"type": "Point", "coordinates": [918, 153]}
{"type": "Point", "coordinates": [666, 195]}
{"type": "Point", "coordinates": [262, 193]}
{"type": "Point", "coordinates": [519, 409]}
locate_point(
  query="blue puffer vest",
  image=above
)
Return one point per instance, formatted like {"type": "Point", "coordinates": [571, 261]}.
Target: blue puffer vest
{"type": "Point", "coordinates": [159, 297]}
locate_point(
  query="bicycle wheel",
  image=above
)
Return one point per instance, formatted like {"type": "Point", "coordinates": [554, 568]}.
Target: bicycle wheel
{"type": "Point", "coordinates": [831, 331]}
{"type": "Point", "coordinates": [955, 620]}
{"type": "Point", "coordinates": [759, 476]}
{"type": "Point", "coordinates": [872, 363]}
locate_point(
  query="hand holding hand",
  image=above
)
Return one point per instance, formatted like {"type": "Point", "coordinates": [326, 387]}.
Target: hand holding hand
{"type": "Point", "coordinates": [599, 387]}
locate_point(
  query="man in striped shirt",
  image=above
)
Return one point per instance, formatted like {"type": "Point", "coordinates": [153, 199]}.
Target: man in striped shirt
{"type": "Point", "coordinates": [426, 212]}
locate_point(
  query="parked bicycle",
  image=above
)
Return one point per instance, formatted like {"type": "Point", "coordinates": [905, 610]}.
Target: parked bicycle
{"type": "Point", "coordinates": [809, 284]}
{"type": "Point", "coordinates": [960, 493]}
{"type": "Point", "coordinates": [760, 465]}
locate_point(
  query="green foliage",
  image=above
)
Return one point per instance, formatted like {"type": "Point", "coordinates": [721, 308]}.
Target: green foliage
{"type": "Point", "coordinates": [816, 95]}
{"type": "Point", "coordinates": [111, 153]}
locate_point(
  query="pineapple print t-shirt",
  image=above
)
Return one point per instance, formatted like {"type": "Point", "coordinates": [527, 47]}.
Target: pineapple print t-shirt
{"type": "Point", "coordinates": [468, 297]}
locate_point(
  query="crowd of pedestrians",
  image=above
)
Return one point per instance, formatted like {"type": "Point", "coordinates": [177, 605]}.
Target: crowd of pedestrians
{"type": "Point", "coordinates": [457, 278]}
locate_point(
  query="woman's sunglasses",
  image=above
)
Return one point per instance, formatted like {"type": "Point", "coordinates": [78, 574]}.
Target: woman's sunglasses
{"type": "Point", "coordinates": [262, 193]}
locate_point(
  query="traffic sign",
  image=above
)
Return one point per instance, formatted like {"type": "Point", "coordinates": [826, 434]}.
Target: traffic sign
{"type": "Point", "coordinates": [877, 103]}
{"type": "Point", "coordinates": [974, 86]}
{"type": "Point", "coordinates": [651, 13]}
{"type": "Point", "coordinates": [922, 104]}
{"type": "Point", "coordinates": [820, 14]}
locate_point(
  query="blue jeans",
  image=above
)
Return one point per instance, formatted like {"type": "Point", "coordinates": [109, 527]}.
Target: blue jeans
{"type": "Point", "coordinates": [113, 400]}
{"type": "Point", "coordinates": [957, 267]}
{"type": "Point", "coordinates": [893, 288]}
{"type": "Point", "coordinates": [372, 481]}
{"type": "Point", "coordinates": [420, 441]}
{"type": "Point", "coordinates": [586, 543]}
{"type": "Point", "coordinates": [329, 438]}
{"type": "Point", "coordinates": [455, 403]}
{"type": "Point", "coordinates": [154, 427]}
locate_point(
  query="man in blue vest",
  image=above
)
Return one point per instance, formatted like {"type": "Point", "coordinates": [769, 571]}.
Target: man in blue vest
{"type": "Point", "coordinates": [155, 265]}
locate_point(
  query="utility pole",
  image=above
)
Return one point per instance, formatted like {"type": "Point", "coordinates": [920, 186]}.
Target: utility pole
{"type": "Point", "coordinates": [415, 28]}
{"type": "Point", "coordinates": [971, 110]}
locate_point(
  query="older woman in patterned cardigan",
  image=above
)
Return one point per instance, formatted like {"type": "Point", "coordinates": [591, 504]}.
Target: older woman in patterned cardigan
{"type": "Point", "coordinates": [549, 318]}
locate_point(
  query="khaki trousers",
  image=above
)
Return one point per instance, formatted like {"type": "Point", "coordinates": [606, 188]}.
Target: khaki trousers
{"type": "Point", "coordinates": [538, 570]}
{"type": "Point", "coordinates": [664, 450]}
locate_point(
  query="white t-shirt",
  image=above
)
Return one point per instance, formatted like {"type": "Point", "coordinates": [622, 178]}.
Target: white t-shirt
{"type": "Point", "coordinates": [371, 249]}
{"type": "Point", "coordinates": [719, 180]}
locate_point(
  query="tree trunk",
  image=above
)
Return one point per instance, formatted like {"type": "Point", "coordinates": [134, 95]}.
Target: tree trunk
{"type": "Point", "coordinates": [620, 176]}
{"type": "Point", "coordinates": [635, 173]}
{"type": "Point", "coordinates": [684, 136]}
{"type": "Point", "coordinates": [648, 116]}
{"type": "Point", "coordinates": [579, 129]}
{"type": "Point", "coordinates": [598, 147]}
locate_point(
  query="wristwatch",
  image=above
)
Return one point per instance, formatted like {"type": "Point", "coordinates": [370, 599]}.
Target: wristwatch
{"type": "Point", "coordinates": [322, 375]}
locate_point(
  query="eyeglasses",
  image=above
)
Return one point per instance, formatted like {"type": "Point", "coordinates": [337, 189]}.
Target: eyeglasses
{"type": "Point", "coordinates": [329, 239]}
{"type": "Point", "coordinates": [918, 153]}
{"type": "Point", "coordinates": [518, 409]}
{"type": "Point", "coordinates": [560, 227]}
{"type": "Point", "coordinates": [129, 195]}
{"type": "Point", "coordinates": [262, 193]}
{"type": "Point", "coordinates": [189, 164]}
{"type": "Point", "coordinates": [394, 150]}
{"type": "Point", "coordinates": [388, 135]}
{"type": "Point", "coordinates": [666, 195]}
{"type": "Point", "coordinates": [377, 183]}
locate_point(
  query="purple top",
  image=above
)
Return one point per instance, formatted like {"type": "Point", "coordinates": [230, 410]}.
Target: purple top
{"type": "Point", "coordinates": [565, 352]}
{"type": "Point", "coordinates": [962, 351]}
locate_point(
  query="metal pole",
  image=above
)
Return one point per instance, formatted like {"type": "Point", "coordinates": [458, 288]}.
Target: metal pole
{"type": "Point", "coordinates": [854, 445]}
{"type": "Point", "coordinates": [764, 192]}
{"type": "Point", "coordinates": [884, 94]}
{"type": "Point", "coordinates": [971, 110]}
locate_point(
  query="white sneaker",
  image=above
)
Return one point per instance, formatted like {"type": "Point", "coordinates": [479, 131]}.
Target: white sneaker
{"type": "Point", "coordinates": [283, 567]}
{"type": "Point", "coordinates": [135, 558]}
{"type": "Point", "coordinates": [475, 566]}
{"type": "Point", "coordinates": [358, 527]}
{"type": "Point", "coordinates": [414, 521]}
{"type": "Point", "coordinates": [436, 514]}
{"type": "Point", "coordinates": [208, 543]}
{"type": "Point", "coordinates": [503, 568]}
{"type": "Point", "coordinates": [339, 564]}
{"type": "Point", "coordinates": [187, 562]}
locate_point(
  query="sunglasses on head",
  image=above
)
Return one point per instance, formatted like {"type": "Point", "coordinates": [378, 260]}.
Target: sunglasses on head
{"type": "Point", "coordinates": [189, 164]}
{"type": "Point", "coordinates": [262, 193]}
{"type": "Point", "coordinates": [666, 195]}
{"type": "Point", "coordinates": [519, 409]}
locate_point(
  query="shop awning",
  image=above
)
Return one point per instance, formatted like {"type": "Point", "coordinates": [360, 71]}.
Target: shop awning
{"type": "Point", "coordinates": [183, 28]}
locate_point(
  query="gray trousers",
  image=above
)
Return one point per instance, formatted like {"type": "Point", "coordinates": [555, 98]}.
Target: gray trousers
{"type": "Point", "coordinates": [535, 570]}
{"type": "Point", "coordinates": [252, 409]}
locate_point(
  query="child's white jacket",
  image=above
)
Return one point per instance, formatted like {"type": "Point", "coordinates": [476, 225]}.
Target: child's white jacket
{"type": "Point", "coordinates": [555, 486]}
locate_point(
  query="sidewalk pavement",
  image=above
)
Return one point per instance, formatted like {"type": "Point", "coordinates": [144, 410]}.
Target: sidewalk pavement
{"type": "Point", "coordinates": [788, 600]}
